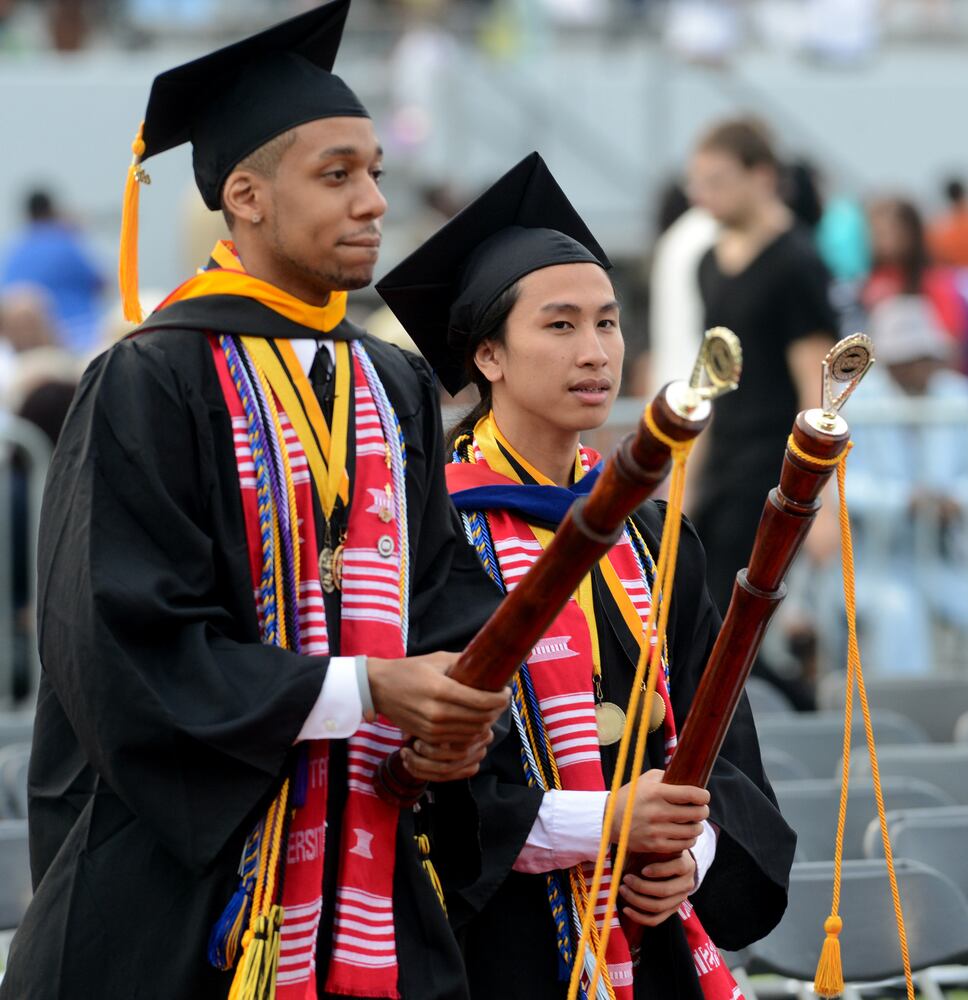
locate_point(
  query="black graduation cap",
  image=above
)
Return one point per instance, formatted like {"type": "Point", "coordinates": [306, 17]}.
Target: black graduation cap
{"type": "Point", "coordinates": [232, 101]}
{"type": "Point", "coordinates": [522, 223]}
{"type": "Point", "coordinates": [229, 103]}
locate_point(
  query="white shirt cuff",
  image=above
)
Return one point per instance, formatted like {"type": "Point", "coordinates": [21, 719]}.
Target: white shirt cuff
{"type": "Point", "coordinates": [338, 711]}
{"type": "Point", "coordinates": [566, 831]}
{"type": "Point", "coordinates": [704, 851]}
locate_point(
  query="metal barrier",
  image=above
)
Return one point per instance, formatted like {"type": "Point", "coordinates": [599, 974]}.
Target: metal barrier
{"type": "Point", "coordinates": [24, 456]}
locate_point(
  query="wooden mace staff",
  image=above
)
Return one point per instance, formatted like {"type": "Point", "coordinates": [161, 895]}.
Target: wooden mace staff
{"type": "Point", "coordinates": [791, 507]}
{"type": "Point", "coordinates": [593, 525]}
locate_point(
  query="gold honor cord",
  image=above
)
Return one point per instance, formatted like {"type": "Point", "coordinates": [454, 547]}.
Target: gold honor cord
{"type": "Point", "coordinates": [829, 980]}
{"type": "Point", "coordinates": [646, 678]}
{"type": "Point", "coordinates": [719, 366]}
{"type": "Point", "coordinates": [325, 454]}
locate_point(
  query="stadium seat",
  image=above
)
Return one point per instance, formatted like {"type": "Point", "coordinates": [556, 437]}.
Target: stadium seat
{"type": "Point", "coordinates": [811, 806]}
{"type": "Point", "coordinates": [816, 739]}
{"type": "Point", "coordinates": [16, 727]}
{"type": "Point", "coordinates": [961, 729]}
{"type": "Point", "coordinates": [935, 837]}
{"type": "Point", "coordinates": [935, 913]}
{"type": "Point", "coordinates": [766, 698]}
{"type": "Point", "coordinates": [781, 766]}
{"type": "Point", "coordinates": [944, 765]}
{"type": "Point", "coordinates": [935, 701]}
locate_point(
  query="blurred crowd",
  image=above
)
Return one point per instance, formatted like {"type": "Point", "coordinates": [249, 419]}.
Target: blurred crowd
{"type": "Point", "coordinates": [877, 262]}
{"type": "Point", "coordinates": [887, 266]}
{"type": "Point", "coordinates": [839, 31]}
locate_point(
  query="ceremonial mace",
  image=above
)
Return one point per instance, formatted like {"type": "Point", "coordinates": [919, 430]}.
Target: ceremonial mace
{"type": "Point", "coordinates": [819, 438]}
{"type": "Point", "coordinates": [593, 525]}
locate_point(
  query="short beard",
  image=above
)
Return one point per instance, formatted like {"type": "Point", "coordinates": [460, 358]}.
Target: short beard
{"type": "Point", "coordinates": [321, 279]}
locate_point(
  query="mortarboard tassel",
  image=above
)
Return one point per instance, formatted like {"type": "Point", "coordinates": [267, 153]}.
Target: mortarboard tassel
{"type": "Point", "coordinates": [829, 980]}
{"type": "Point", "coordinates": [255, 978]}
{"type": "Point", "coordinates": [128, 255]}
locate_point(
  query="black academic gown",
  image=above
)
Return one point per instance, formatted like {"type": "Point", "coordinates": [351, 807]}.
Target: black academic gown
{"type": "Point", "coordinates": [163, 725]}
{"type": "Point", "coordinates": [504, 918]}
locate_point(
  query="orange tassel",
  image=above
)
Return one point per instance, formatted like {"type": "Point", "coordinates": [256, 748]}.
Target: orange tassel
{"type": "Point", "coordinates": [829, 981]}
{"type": "Point", "coordinates": [128, 255]}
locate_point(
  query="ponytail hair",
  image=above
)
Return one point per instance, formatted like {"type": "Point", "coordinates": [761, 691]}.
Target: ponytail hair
{"type": "Point", "coordinates": [492, 327]}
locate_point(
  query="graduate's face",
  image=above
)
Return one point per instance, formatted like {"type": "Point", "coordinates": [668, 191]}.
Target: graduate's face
{"type": "Point", "coordinates": [561, 360]}
{"type": "Point", "coordinates": [729, 191]}
{"type": "Point", "coordinates": [322, 217]}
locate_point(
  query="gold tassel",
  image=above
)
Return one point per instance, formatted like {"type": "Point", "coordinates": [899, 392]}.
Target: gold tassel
{"type": "Point", "coordinates": [255, 977]}
{"type": "Point", "coordinates": [128, 252]}
{"type": "Point", "coordinates": [423, 846]}
{"type": "Point", "coordinates": [829, 981]}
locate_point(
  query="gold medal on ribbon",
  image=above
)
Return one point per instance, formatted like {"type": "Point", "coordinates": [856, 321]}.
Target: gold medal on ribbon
{"type": "Point", "coordinates": [610, 720]}
{"type": "Point", "coordinates": [326, 578]}
{"type": "Point", "coordinates": [337, 568]}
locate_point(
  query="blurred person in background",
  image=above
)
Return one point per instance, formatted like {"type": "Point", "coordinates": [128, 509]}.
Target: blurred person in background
{"type": "Point", "coordinates": [948, 233]}
{"type": "Point", "coordinates": [675, 306]}
{"type": "Point", "coordinates": [902, 265]}
{"type": "Point", "coordinates": [41, 391]}
{"type": "Point", "coordinates": [26, 324]}
{"type": "Point", "coordinates": [764, 280]}
{"type": "Point", "coordinates": [908, 493]}
{"type": "Point", "coordinates": [51, 253]}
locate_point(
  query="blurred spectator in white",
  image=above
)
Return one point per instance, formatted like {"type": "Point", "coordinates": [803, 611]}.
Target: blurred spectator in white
{"type": "Point", "coordinates": [419, 67]}
{"type": "Point", "coordinates": [843, 32]}
{"type": "Point", "coordinates": [35, 368]}
{"type": "Point", "coordinates": [675, 305]}
{"type": "Point", "coordinates": [25, 324]}
{"type": "Point", "coordinates": [902, 266]}
{"type": "Point", "coordinates": [577, 11]}
{"type": "Point", "coordinates": [51, 254]}
{"type": "Point", "coordinates": [948, 234]}
{"type": "Point", "coordinates": [707, 31]}
{"type": "Point", "coordinates": [907, 487]}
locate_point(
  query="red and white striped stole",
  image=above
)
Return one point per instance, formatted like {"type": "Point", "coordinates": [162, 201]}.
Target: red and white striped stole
{"type": "Point", "coordinates": [364, 959]}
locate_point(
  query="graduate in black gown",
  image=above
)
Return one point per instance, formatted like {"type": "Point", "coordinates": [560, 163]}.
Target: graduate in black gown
{"type": "Point", "coordinates": [513, 294]}
{"type": "Point", "coordinates": [167, 722]}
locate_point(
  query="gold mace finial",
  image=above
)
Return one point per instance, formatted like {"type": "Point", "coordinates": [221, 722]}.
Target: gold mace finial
{"type": "Point", "coordinates": [717, 370]}
{"type": "Point", "coordinates": [846, 363]}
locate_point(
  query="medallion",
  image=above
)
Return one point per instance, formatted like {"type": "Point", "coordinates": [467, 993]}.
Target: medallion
{"type": "Point", "coordinates": [337, 566]}
{"type": "Point", "coordinates": [326, 579]}
{"type": "Point", "coordinates": [658, 711]}
{"type": "Point", "coordinates": [610, 720]}
{"type": "Point", "coordinates": [385, 546]}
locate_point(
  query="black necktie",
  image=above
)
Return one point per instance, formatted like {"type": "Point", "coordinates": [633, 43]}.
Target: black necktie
{"type": "Point", "coordinates": [321, 377]}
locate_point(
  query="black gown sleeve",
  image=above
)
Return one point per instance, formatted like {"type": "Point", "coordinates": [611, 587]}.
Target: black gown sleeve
{"type": "Point", "coordinates": [181, 711]}
{"type": "Point", "coordinates": [744, 892]}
